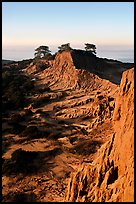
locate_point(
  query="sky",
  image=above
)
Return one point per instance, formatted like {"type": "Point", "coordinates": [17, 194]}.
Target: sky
{"type": "Point", "coordinates": [27, 25]}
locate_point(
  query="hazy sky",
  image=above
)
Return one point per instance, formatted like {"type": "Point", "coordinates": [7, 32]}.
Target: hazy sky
{"type": "Point", "coordinates": [27, 25]}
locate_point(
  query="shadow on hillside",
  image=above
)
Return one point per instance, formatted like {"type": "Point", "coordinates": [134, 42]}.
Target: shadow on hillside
{"type": "Point", "coordinates": [108, 69]}
{"type": "Point", "coordinates": [29, 163]}
{"type": "Point", "coordinates": [16, 86]}
{"type": "Point", "coordinates": [19, 113]}
{"type": "Point", "coordinates": [20, 197]}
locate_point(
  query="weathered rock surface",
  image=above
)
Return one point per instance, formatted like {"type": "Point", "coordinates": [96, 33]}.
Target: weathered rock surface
{"type": "Point", "coordinates": [56, 115]}
{"type": "Point", "coordinates": [110, 177]}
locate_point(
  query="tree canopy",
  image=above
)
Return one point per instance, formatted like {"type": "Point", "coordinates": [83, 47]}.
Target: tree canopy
{"type": "Point", "coordinates": [65, 47]}
{"type": "Point", "coordinates": [42, 51]}
{"type": "Point", "coordinates": [90, 47]}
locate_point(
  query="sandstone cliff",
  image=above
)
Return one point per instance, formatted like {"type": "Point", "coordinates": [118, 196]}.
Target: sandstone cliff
{"type": "Point", "coordinates": [110, 177]}
{"type": "Point", "coordinates": [56, 114]}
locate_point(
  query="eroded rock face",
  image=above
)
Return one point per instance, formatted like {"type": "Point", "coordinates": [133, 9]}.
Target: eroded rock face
{"type": "Point", "coordinates": [64, 73]}
{"type": "Point", "coordinates": [110, 177]}
{"type": "Point", "coordinates": [57, 113]}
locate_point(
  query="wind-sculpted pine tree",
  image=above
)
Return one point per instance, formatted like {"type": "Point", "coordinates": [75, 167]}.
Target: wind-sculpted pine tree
{"type": "Point", "coordinates": [65, 47]}
{"type": "Point", "coordinates": [90, 47]}
{"type": "Point", "coordinates": [42, 52]}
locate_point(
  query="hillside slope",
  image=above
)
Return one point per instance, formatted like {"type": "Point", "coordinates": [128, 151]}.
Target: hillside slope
{"type": "Point", "coordinates": [56, 114]}
{"type": "Point", "coordinates": [110, 177]}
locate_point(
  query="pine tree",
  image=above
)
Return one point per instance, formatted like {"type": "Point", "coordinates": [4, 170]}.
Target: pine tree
{"type": "Point", "coordinates": [65, 47]}
{"type": "Point", "coordinates": [90, 47]}
{"type": "Point", "coordinates": [42, 51]}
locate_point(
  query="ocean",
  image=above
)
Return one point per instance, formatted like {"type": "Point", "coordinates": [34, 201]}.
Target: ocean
{"type": "Point", "coordinates": [121, 55]}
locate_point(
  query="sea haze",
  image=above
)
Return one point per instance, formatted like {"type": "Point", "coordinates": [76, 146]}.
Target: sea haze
{"type": "Point", "coordinates": [20, 53]}
{"type": "Point", "coordinates": [121, 55]}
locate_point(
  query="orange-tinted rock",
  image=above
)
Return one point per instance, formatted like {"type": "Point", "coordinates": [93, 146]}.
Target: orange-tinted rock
{"type": "Point", "coordinates": [59, 112]}
{"type": "Point", "coordinates": [110, 177]}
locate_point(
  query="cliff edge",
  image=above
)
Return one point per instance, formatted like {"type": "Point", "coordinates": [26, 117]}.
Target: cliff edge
{"type": "Point", "coordinates": [110, 177]}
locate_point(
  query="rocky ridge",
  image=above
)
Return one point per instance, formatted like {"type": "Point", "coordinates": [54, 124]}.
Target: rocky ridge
{"type": "Point", "coordinates": [110, 177]}
{"type": "Point", "coordinates": [57, 114]}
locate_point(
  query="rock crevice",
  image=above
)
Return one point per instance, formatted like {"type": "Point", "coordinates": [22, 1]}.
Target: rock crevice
{"type": "Point", "coordinates": [110, 177]}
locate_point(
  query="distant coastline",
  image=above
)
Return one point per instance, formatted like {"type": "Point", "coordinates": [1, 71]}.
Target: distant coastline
{"type": "Point", "coordinates": [122, 59]}
{"type": "Point", "coordinates": [131, 60]}
{"type": "Point", "coordinates": [120, 55]}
